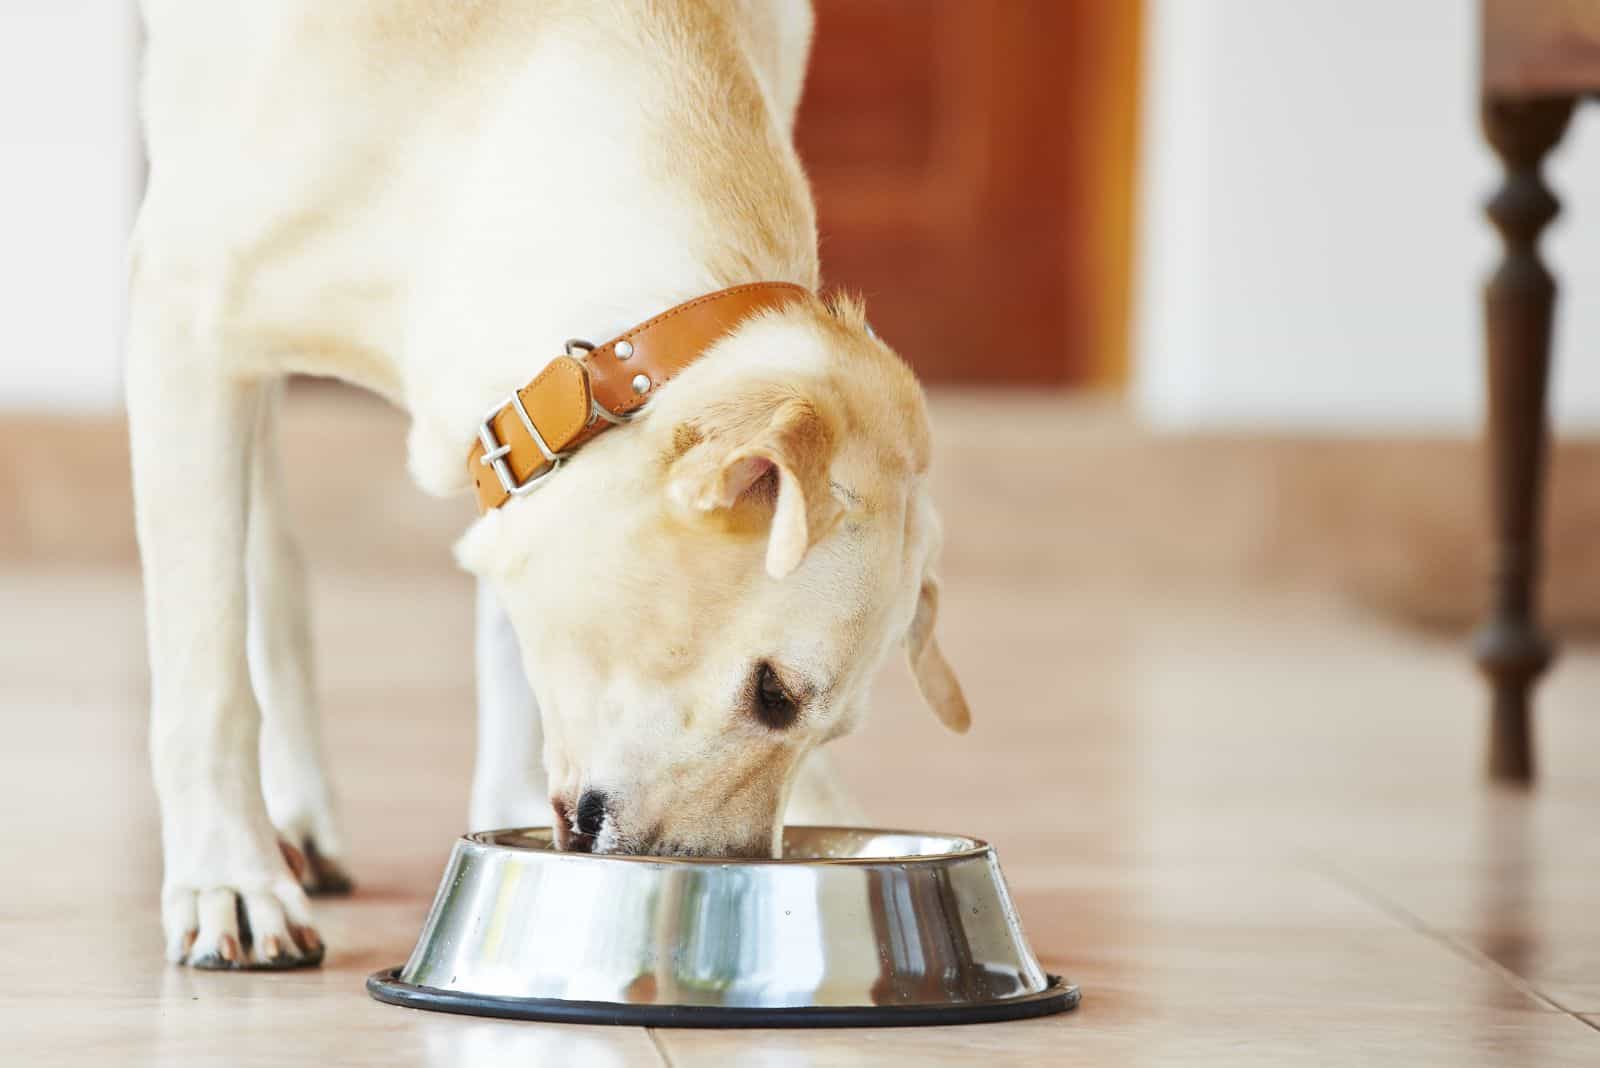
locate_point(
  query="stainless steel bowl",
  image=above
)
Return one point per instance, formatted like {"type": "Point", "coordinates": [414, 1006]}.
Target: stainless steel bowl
{"type": "Point", "coordinates": [852, 927]}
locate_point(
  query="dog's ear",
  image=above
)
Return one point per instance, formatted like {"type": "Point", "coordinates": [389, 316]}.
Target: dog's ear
{"type": "Point", "coordinates": [770, 451]}
{"type": "Point", "coordinates": [932, 671]}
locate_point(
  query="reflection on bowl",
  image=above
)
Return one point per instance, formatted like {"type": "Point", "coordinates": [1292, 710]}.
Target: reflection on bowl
{"type": "Point", "coordinates": [852, 926]}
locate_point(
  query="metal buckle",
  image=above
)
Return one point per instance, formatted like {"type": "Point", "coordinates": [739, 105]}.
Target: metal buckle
{"type": "Point", "coordinates": [578, 347]}
{"type": "Point", "coordinates": [600, 411]}
{"type": "Point", "coordinates": [495, 452]}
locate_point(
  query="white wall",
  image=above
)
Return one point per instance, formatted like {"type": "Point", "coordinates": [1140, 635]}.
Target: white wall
{"type": "Point", "coordinates": [1312, 239]}
{"type": "Point", "coordinates": [69, 177]}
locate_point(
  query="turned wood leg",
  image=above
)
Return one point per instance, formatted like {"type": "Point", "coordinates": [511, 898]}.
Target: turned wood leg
{"type": "Point", "coordinates": [1518, 301]}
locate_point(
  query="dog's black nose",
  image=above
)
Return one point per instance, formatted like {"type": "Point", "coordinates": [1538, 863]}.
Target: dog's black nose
{"type": "Point", "coordinates": [591, 812]}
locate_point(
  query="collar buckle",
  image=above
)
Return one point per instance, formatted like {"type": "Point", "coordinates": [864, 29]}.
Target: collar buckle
{"type": "Point", "coordinates": [495, 451]}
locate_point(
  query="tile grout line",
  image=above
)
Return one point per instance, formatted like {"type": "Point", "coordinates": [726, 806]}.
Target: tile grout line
{"type": "Point", "coordinates": [660, 1047]}
{"type": "Point", "coordinates": [1411, 920]}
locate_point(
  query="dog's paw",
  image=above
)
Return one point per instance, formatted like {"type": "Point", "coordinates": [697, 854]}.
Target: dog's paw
{"type": "Point", "coordinates": [309, 838]}
{"type": "Point", "coordinates": [319, 874]}
{"type": "Point", "coordinates": [224, 929]}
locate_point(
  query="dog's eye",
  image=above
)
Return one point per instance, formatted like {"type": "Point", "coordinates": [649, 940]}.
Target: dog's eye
{"type": "Point", "coordinates": [773, 705]}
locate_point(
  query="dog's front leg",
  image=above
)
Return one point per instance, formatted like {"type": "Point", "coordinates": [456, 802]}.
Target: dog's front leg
{"type": "Point", "coordinates": [294, 777]}
{"type": "Point", "coordinates": [509, 787]}
{"type": "Point", "coordinates": [228, 897]}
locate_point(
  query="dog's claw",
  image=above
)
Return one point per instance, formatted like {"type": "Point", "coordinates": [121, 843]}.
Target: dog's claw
{"type": "Point", "coordinates": [222, 929]}
{"type": "Point", "coordinates": [330, 880]}
{"type": "Point", "coordinates": [307, 940]}
{"type": "Point", "coordinates": [295, 859]}
{"type": "Point", "coordinates": [319, 875]}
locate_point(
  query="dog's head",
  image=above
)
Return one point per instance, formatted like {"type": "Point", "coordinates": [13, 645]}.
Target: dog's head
{"type": "Point", "coordinates": [703, 598]}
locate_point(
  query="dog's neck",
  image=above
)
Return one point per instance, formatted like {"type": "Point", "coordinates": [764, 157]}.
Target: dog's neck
{"type": "Point", "coordinates": [537, 251]}
{"type": "Point", "coordinates": [445, 421]}
{"type": "Point", "coordinates": [508, 342]}
{"type": "Point", "coordinates": [594, 389]}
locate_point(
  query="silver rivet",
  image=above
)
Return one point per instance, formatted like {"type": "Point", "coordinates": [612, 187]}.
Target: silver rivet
{"type": "Point", "coordinates": [641, 383]}
{"type": "Point", "coordinates": [624, 349]}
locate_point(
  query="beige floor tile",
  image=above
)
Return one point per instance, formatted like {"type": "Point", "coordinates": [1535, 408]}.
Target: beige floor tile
{"type": "Point", "coordinates": [1249, 823]}
{"type": "Point", "coordinates": [1223, 1034]}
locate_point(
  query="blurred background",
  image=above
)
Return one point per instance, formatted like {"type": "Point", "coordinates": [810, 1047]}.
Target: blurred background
{"type": "Point", "coordinates": [1301, 183]}
{"type": "Point", "coordinates": [1196, 221]}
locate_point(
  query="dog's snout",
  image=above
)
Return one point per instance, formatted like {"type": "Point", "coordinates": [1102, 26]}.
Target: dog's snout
{"type": "Point", "coordinates": [591, 812]}
{"type": "Point", "coordinates": [577, 826]}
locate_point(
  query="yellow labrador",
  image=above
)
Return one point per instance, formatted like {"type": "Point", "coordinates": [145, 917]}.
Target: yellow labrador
{"type": "Point", "coordinates": [425, 197]}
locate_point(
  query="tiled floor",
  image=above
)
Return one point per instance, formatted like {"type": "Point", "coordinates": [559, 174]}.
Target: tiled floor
{"type": "Point", "coordinates": [1247, 824]}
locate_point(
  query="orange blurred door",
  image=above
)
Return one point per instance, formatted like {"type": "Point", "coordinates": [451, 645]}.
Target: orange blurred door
{"type": "Point", "coordinates": [973, 165]}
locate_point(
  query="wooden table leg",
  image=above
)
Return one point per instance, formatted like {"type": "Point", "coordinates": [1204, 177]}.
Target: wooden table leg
{"type": "Point", "coordinates": [1518, 300]}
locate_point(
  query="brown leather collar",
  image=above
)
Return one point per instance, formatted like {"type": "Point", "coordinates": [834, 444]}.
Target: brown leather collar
{"type": "Point", "coordinates": [585, 393]}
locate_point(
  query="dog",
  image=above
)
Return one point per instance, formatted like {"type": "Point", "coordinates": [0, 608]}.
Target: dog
{"type": "Point", "coordinates": [424, 198]}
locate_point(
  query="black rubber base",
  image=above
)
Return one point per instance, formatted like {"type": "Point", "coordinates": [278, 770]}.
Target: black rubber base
{"type": "Point", "coordinates": [1058, 997]}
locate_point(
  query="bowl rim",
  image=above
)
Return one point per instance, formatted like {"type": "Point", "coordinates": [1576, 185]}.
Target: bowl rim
{"type": "Point", "coordinates": [1058, 995]}
{"type": "Point", "coordinates": [979, 848]}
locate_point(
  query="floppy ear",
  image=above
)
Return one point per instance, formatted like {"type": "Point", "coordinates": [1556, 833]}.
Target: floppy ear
{"type": "Point", "coordinates": [773, 451]}
{"type": "Point", "coordinates": [934, 677]}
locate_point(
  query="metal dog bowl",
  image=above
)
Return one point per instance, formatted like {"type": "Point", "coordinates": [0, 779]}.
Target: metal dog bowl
{"type": "Point", "coordinates": [854, 927]}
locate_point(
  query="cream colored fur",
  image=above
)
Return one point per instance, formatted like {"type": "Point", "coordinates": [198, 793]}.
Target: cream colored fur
{"type": "Point", "coordinates": [425, 198]}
